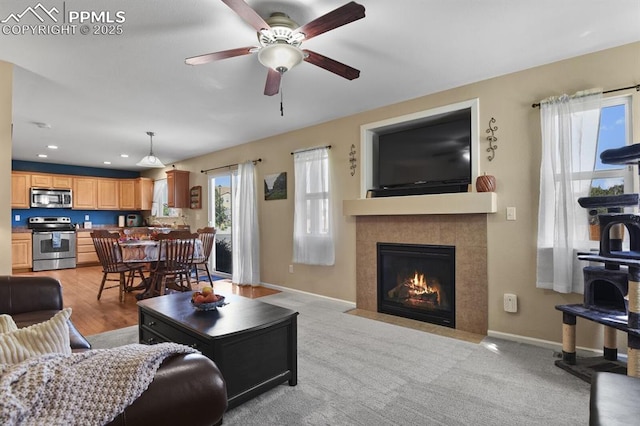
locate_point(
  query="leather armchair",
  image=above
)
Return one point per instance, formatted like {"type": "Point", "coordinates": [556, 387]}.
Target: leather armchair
{"type": "Point", "coordinates": [31, 300]}
{"type": "Point", "coordinates": [187, 389]}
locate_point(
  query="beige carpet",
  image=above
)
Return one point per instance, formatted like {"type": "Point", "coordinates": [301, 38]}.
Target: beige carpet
{"type": "Point", "coordinates": [419, 325]}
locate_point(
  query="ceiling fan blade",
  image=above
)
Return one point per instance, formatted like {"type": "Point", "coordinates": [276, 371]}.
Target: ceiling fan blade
{"type": "Point", "coordinates": [272, 86]}
{"type": "Point", "coordinates": [216, 56]}
{"type": "Point", "coordinates": [331, 65]}
{"type": "Point", "coordinates": [343, 15]}
{"type": "Point", "coordinates": [247, 13]}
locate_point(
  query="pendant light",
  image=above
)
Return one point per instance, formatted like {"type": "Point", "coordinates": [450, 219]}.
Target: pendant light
{"type": "Point", "coordinates": [150, 160]}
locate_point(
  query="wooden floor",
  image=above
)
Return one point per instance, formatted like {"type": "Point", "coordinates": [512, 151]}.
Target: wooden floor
{"type": "Point", "coordinates": [92, 316]}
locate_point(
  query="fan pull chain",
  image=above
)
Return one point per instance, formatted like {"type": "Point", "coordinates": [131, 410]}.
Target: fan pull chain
{"type": "Point", "coordinates": [281, 100]}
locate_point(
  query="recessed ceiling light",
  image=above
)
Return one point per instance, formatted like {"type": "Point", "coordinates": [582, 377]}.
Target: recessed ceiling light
{"type": "Point", "coordinates": [107, 162]}
{"type": "Point", "coordinates": [124, 155]}
{"type": "Point", "coordinates": [52, 146]}
{"type": "Point", "coordinates": [42, 155]}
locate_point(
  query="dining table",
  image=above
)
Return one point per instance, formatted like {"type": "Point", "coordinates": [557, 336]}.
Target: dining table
{"type": "Point", "coordinates": [147, 251]}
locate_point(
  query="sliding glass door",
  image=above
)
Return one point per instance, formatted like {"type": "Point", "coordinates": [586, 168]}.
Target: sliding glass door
{"type": "Point", "coordinates": [220, 190]}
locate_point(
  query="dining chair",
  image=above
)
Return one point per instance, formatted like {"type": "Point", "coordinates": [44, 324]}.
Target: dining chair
{"type": "Point", "coordinates": [201, 263]}
{"type": "Point", "coordinates": [110, 256]}
{"type": "Point", "coordinates": [175, 259]}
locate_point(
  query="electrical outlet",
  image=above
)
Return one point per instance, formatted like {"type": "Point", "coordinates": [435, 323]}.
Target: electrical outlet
{"type": "Point", "coordinates": [291, 269]}
{"type": "Point", "coordinates": [16, 218]}
{"type": "Point", "coordinates": [86, 217]}
{"type": "Point", "coordinates": [511, 213]}
{"type": "Point", "coordinates": [510, 302]}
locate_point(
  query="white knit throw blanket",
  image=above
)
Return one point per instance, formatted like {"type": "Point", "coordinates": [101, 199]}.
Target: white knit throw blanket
{"type": "Point", "coordinates": [88, 388]}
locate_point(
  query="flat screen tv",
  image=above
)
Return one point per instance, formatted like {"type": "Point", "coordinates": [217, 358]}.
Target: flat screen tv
{"type": "Point", "coordinates": [432, 156]}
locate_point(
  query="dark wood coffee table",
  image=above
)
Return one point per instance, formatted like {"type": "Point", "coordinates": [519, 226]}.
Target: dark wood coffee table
{"type": "Point", "coordinates": [253, 343]}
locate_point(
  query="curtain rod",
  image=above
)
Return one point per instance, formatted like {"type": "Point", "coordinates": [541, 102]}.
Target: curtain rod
{"type": "Point", "coordinates": [229, 166]}
{"type": "Point", "coordinates": [310, 149]}
{"type": "Point", "coordinates": [637, 87]}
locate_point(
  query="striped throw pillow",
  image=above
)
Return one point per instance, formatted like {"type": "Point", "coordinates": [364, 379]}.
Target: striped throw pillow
{"type": "Point", "coordinates": [7, 325]}
{"type": "Point", "coordinates": [51, 336]}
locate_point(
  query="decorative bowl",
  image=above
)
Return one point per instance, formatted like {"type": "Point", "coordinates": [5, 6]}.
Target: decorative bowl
{"type": "Point", "coordinates": [209, 306]}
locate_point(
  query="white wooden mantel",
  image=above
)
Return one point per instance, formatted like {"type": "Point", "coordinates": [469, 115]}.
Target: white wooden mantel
{"type": "Point", "coordinates": [458, 203]}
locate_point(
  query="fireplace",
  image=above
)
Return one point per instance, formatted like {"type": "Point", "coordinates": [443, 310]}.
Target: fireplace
{"type": "Point", "coordinates": [417, 281]}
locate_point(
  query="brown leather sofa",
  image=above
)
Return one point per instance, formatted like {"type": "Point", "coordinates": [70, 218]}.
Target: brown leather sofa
{"type": "Point", "coordinates": [187, 389]}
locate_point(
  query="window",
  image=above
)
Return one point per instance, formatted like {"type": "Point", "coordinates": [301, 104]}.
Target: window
{"type": "Point", "coordinates": [614, 132]}
{"type": "Point", "coordinates": [159, 207]}
{"type": "Point", "coordinates": [575, 131]}
{"type": "Point", "coordinates": [312, 234]}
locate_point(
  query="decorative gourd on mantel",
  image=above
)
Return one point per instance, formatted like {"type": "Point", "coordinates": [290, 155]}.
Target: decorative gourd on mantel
{"type": "Point", "coordinates": [486, 183]}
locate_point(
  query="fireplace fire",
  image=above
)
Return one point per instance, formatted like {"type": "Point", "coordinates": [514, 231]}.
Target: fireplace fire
{"type": "Point", "coordinates": [415, 291]}
{"type": "Point", "coordinates": [417, 282]}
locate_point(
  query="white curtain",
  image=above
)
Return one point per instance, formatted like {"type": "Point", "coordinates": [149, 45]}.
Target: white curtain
{"type": "Point", "coordinates": [312, 223]}
{"type": "Point", "coordinates": [245, 235]}
{"type": "Point", "coordinates": [570, 126]}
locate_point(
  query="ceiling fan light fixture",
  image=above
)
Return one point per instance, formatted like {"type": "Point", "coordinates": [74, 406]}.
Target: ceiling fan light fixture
{"type": "Point", "coordinates": [150, 160]}
{"type": "Point", "coordinates": [280, 56]}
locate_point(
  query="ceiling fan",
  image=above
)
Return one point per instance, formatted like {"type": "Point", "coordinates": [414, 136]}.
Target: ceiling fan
{"type": "Point", "coordinates": [280, 39]}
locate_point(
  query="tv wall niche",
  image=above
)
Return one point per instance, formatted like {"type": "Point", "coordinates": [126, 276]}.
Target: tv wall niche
{"type": "Point", "coordinates": [429, 152]}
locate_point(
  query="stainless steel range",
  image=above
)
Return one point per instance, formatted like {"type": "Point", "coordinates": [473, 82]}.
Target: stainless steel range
{"type": "Point", "coordinates": [54, 243]}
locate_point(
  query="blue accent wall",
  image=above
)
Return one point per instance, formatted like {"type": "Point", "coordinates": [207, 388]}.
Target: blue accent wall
{"type": "Point", "coordinates": [97, 217]}
{"type": "Point", "coordinates": [64, 169]}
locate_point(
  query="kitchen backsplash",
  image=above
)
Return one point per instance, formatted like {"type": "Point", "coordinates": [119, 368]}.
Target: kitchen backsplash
{"type": "Point", "coordinates": [96, 217]}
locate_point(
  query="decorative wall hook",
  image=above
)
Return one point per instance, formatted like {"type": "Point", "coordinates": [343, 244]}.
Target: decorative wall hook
{"type": "Point", "coordinates": [352, 159]}
{"type": "Point", "coordinates": [492, 139]}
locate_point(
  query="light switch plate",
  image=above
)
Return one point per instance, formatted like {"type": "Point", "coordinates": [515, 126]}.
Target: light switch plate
{"type": "Point", "coordinates": [511, 213]}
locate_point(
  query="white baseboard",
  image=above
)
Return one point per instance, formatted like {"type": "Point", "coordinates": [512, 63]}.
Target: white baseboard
{"type": "Point", "coordinates": [580, 351]}
{"type": "Point", "coordinates": [281, 288]}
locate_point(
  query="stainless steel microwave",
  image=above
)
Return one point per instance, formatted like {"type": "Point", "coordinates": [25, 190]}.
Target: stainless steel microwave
{"type": "Point", "coordinates": [51, 198]}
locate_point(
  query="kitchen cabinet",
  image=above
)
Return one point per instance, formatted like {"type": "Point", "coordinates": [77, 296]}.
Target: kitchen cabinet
{"type": "Point", "coordinates": [178, 188]}
{"type": "Point", "coordinates": [127, 195]}
{"type": "Point", "coordinates": [136, 194]}
{"type": "Point", "coordinates": [21, 250]}
{"type": "Point", "coordinates": [89, 193]}
{"type": "Point", "coordinates": [108, 190]}
{"type": "Point", "coordinates": [41, 181]}
{"type": "Point", "coordinates": [20, 185]}
{"type": "Point", "coordinates": [51, 181]}
{"type": "Point", "coordinates": [143, 194]}
{"type": "Point", "coordinates": [61, 182]}
{"type": "Point", "coordinates": [85, 250]}
{"type": "Point", "coordinates": [85, 196]}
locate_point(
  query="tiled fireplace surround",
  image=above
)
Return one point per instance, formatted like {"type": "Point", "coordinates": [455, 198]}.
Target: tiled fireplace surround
{"type": "Point", "coordinates": [467, 232]}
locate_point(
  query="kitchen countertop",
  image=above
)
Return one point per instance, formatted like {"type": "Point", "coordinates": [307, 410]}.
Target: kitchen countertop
{"type": "Point", "coordinates": [112, 228]}
{"type": "Point", "coordinates": [20, 229]}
